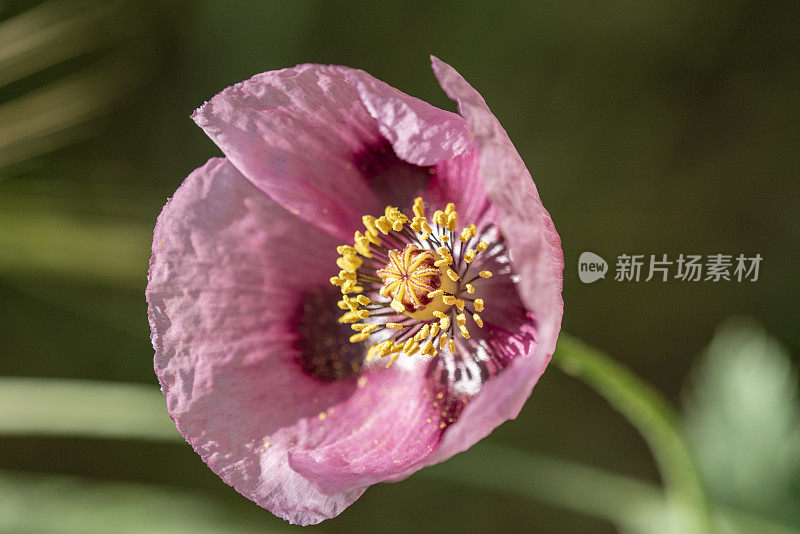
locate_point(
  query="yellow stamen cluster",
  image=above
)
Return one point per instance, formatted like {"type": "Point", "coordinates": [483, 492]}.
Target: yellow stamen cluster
{"type": "Point", "coordinates": [404, 270]}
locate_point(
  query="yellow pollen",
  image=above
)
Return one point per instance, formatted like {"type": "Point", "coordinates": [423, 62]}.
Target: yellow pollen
{"type": "Point", "coordinates": [349, 317]}
{"type": "Point", "coordinates": [355, 338]}
{"type": "Point", "coordinates": [369, 223]}
{"type": "Point", "coordinates": [419, 207]}
{"type": "Point", "coordinates": [384, 225]}
{"type": "Point", "coordinates": [452, 221]}
{"type": "Point", "coordinates": [424, 331]}
{"type": "Point", "coordinates": [409, 265]}
{"type": "Point", "coordinates": [393, 360]}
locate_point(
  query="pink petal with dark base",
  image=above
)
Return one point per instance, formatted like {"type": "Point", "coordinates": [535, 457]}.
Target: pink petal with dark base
{"type": "Point", "coordinates": [296, 133]}
{"type": "Point", "coordinates": [420, 133]}
{"type": "Point", "coordinates": [424, 135]}
{"type": "Point", "coordinates": [229, 269]}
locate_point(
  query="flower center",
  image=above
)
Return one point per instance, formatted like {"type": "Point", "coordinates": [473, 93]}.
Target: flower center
{"type": "Point", "coordinates": [406, 283]}
{"type": "Point", "coordinates": [412, 280]}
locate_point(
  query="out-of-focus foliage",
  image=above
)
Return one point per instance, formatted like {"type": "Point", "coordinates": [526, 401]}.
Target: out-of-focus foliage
{"type": "Point", "coordinates": [742, 415]}
{"type": "Point", "coordinates": [68, 505]}
{"type": "Point", "coordinates": [55, 109]}
{"type": "Point", "coordinates": [743, 418]}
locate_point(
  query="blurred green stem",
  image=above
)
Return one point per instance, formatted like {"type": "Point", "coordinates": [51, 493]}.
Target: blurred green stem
{"type": "Point", "coordinates": [652, 416]}
{"type": "Point", "coordinates": [575, 487]}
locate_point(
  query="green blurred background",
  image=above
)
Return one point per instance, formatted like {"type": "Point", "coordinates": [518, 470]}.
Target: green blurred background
{"type": "Point", "coordinates": [649, 127]}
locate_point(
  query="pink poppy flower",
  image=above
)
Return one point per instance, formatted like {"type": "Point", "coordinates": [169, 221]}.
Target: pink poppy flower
{"type": "Point", "coordinates": [304, 364]}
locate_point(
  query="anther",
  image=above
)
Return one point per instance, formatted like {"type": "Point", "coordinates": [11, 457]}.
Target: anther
{"type": "Point", "coordinates": [419, 207]}
{"type": "Point", "coordinates": [464, 331]}
{"type": "Point", "coordinates": [452, 221]}
{"type": "Point", "coordinates": [369, 223]}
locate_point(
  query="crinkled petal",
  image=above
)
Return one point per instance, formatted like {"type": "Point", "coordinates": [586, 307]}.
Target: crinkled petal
{"type": "Point", "coordinates": [457, 180]}
{"type": "Point", "coordinates": [420, 133]}
{"type": "Point", "coordinates": [424, 135]}
{"type": "Point", "coordinates": [298, 134]}
{"type": "Point", "coordinates": [385, 431]}
{"type": "Point", "coordinates": [229, 267]}
{"type": "Point", "coordinates": [537, 259]}
{"type": "Point", "coordinates": [314, 137]}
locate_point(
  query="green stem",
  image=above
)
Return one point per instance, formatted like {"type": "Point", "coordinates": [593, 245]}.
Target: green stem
{"type": "Point", "coordinates": [625, 501]}
{"type": "Point", "coordinates": [568, 485]}
{"type": "Point", "coordinates": [652, 416]}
